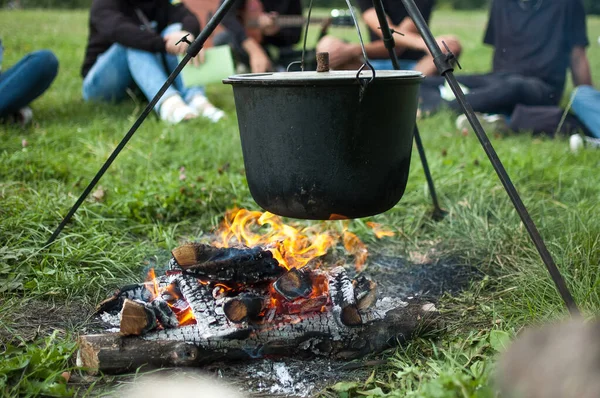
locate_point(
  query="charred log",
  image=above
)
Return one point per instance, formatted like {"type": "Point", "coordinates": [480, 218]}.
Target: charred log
{"type": "Point", "coordinates": [294, 336]}
{"type": "Point", "coordinates": [341, 291]}
{"type": "Point", "coordinates": [239, 266]}
{"type": "Point", "coordinates": [244, 307]}
{"type": "Point", "coordinates": [365, 292]}
{"type": "Point", "coordinates": [294, 284]}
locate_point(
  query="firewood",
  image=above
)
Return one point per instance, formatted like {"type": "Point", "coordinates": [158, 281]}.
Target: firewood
{"type": "Point", "coordinates": [294, 284]}
{"type": "Point", "coordinates": [165, 315]}
{"type": "Point", "coordinates": [136, 318]}
{"type": "Point", "coordinates": [319, 334]}
{"type": "Point", "coordinates": [243, 307]}
{"type": "Point", "coordinates": [342, 298]}
{"type": "Point", "coordinates": [132, 292]}
{"type": "Point", "coordinates": [241, 266]}
{"type": "Point", "coordinates": [365, 292]}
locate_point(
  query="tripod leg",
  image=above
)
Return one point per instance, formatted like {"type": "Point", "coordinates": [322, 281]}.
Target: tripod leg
{"type": "Point", "coordinates": [438, 213]}
{"type": "Point", "coordinates": [390, 45]}
{"type": "Point", "coordinates": [445, 66]}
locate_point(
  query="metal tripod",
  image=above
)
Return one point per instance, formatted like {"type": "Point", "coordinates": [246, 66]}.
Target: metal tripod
{"type": "Point", "coordinates": [444, 64]}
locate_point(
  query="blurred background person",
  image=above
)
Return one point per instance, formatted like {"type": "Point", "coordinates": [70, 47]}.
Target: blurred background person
{"type": "Point", "coordinates": [24, 82]}
{"type": "Point", "coordinates": [410, 48]}
{"type": "Point", "coordinates": [136, 43]}
{"type": "Point", "coordinates": [253, 32]}
{"type": "Point", "coordinates": [535, 42]}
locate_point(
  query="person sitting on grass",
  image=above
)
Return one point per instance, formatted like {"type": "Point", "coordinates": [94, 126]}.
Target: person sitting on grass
{"type": "Point", "coordinates": [410, 48]}
{"type": "Point", "coordinates": [535, 42]}
{"type": "Point", "coordinates": [23, 82]}
{"type": "Point", "coordinates": [136, 43]}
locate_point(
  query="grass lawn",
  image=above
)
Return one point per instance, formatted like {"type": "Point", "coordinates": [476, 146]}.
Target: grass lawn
{"type": "Point", "coordinates": [47, 295]}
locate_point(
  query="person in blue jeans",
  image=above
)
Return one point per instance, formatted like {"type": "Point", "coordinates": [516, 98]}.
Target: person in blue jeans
{"type": "Point", "coordinates": [136, 43]}
{"type": "Point", "coordinates": [24, 82]}
{"type": "Point", "coordinates": [586, 106]}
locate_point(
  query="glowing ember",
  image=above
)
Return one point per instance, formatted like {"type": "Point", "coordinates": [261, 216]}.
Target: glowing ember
{"type": "Point", "coordinates": [172, 297]}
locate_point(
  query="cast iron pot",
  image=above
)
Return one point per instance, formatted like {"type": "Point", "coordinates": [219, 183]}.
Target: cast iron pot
{"type": "Point", "coordinates": [314, 148]}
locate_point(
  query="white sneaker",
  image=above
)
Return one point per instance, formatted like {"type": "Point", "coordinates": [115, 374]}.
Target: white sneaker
{"type": "Point", "coordinates": [490, 122]}
{"type": "Point", "coordinates": [201, 105]}
{"type": "Point", "coordinates": [174, 110]}
{"type": "Point", "coordinates": [577, 142]}
{"type": "Point", "coordinates": [446, 92]}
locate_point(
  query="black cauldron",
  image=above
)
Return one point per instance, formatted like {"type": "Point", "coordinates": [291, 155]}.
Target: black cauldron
{"type": "Point", "coordinates": [326, 145]}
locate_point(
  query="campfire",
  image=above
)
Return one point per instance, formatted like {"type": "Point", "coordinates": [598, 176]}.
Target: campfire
{"type": "Point", "coordinates": [261, 288]}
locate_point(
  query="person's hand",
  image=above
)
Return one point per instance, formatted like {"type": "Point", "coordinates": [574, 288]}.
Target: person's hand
{"type": "Point", "coordinates": [267, 23]}
{"type": "Point", "coordinates": [173, 45]}
{"type": "Point", "coordinates": [341, 53]}
{"type": "Point", "coordinates": [450, 40]}
{"type": "Point", "coordinates": [259, 62]}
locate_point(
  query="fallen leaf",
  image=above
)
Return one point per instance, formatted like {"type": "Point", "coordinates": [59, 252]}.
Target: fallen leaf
{"type": "Point", "coordinates": [99, 194]}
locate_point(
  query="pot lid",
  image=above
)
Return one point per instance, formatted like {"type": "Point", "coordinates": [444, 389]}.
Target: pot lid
{"type": "Point", "coordinates": [331, 77]}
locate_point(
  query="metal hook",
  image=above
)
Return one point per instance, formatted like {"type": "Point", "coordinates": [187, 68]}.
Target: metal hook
{"type": "Point", "coordinates": [184, 39]}
{"type": "Point", "coordinates": [363, 83]}
{"type": "Point", "coordinates": [450, 57]}
{"type": "Point", "coordinates": [294, 63]}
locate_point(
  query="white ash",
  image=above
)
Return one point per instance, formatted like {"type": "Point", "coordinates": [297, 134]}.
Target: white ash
{"type": "Point", "coordinates": [113, 320]}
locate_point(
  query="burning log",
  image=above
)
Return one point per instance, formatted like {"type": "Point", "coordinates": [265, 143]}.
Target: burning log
{"type": "Point", "coordinates": [130, 292]}
{"type": "Point", "coordinates": [294, 284]}
{"type": "Point", "coordinates": [393, 322]}
{"type": "Point", "coordinates": [136, 318]}
{"type": "Point", "coordinates": [240, 266]}
{"type": "Point", "coordinates": [365, 292]}
{"type": "Point", "coordinates": [341, 291]}
{"type": "Point", "coordinates": [244, 307]}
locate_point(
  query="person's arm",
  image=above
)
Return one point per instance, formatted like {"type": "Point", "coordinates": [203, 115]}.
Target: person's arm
{"type": "Point", "coordinates": [580, 67]}
{"type": "Point", "coordinates": [111, 23]}
{"type": "Point", "coordinates": [578, 41]}
{"type": "Point", "coordinates": [259, 61]}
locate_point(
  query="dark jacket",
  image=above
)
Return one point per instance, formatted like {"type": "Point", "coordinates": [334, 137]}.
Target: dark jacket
{"type": "Point", "coordinates": [116, 21]}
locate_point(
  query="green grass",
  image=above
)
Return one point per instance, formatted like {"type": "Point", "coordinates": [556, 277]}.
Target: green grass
{"type": "Point", "coordinates": [147, 210]}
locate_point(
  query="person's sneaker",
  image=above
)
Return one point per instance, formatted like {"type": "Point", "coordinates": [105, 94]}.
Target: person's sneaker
{"type": "Point", "coordinates": [491, 123]}
{"type": "Point", "coordinates": [202, 105]}
{"type": "Point", "coordinates": [174, 110]}
{"type": "Point", "coordinates": [447, 94]}
{"type": "Point", "coordinates": [577, 142]}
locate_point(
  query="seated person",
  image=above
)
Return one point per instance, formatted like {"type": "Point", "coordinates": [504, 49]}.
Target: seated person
{"type": "Point", "coordinates": [410, 48]}
{"type": "Point", "coordinates": [135, 43]}
{"type": "Point", "coordinates": [251, 28]}
{"type": "Point", "coordinates": [535, 42]}
{"type": "Point", "coordinates": [24, 82]}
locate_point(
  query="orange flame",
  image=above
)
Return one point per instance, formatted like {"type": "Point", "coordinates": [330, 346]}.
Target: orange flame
{"type": "Point", "coordinates": [291, 247]}
{"type": "Point", "coordinates": [181, 308]}
{"type": "Point", "coordinates": [379, 230]}
{"type": "Point", "coordinates": [357, 248]}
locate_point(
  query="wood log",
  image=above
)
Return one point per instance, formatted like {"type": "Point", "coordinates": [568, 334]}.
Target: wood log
{"type": "Point", "coordinates": [136, 318]}
{"type": "Point", "coordinates": [244, 307]}
{"type": "Point", "coordinates": [365, 292]}
{"type": "Point", "coordinates": [393, 322]}
{"type": "Point", "coordinates": [233, 265]}
{"type": "Point", "coordinates": [341, 291]}
{"type": "Point", "coordinates": [294, 284]}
